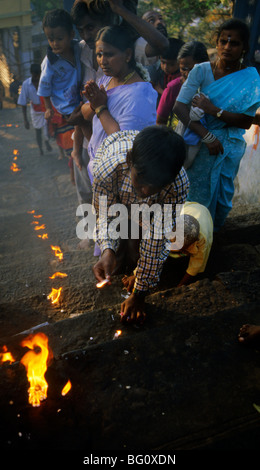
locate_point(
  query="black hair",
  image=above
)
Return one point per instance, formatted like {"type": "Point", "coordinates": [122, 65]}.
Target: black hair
{"type": "Point", "coordinates": [172, 51]}
{"type": "Point", "coordinates": [57, 18]}
{"type": "Point", "coordinates": [157, 155]}
{"type": "Point", "coordinates": [117, 36]}
{"type": "Point", "coordinates": [96, 10]}
{"type": "Point", "coordinates": [237, 25]}
{"type": "Point", "coordinates": [195, 49]}
{"type": "Point", "coordinates": [35, 68]}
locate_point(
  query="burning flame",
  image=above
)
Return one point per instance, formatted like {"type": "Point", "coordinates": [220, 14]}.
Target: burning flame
{"type": "Point", "coordinates": [58, 275]}
{"type": "Point", "coordinates": [39, 227]}
{"type": "Point", "coordinates": [57, 251]}
{"type": "Point", "coordinates": [6, 356]}
{"type": "Point", "coordinates": [35, 363]}
{"type": "Point", "coordinates": [101, 284]}
{"type": "Point", "coordinates": [16, 152]}
{"type": "Point", "coordinates": [117, 334]}
{"type": "Point", "coordinates": [55, 295]}
{"type": "Point", "coordinates": [37, 216]}
{"type": "Point", "coordinates": [14, 167]}
{"type": "Point", "coordinates": [66, 388]}
{"type": "Point", "coordinates": [35, 222]}
{"type": "Point", "coordinates": [44, 236]}
{"type": "Point", "coordinates": [31, 212]}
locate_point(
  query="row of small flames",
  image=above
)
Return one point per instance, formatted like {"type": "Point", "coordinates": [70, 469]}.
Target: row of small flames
{"type": "Point", "coordinates": [37, 359]}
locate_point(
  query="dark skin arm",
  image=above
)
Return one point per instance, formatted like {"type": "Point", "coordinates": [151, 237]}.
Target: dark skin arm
{"type": "Point", "coordinates": [241, 121]}
{"type": "Point", "coordinates": [183, 113]}
{"type": "Point", "coordinates": [157, 42]}
{"type": "Point", "coordinates": [132, 309]}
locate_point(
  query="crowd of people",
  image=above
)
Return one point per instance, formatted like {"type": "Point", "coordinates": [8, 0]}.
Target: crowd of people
{"type": "Point", "coordinates": [109, 100]}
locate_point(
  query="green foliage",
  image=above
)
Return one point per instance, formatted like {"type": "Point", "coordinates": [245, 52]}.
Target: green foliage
{"type": "Point", "coordinates": [40, 6]}
{"type": "Point", "coordinates": [190, 19]}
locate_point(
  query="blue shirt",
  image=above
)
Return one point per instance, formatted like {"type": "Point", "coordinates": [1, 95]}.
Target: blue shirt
{"type": "Point", "coordinates": [61, 80]}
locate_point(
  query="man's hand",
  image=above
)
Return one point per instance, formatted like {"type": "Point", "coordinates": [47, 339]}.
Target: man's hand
{"type": "Point", "coordinates": [132, 310]}
{"type": "Point", "coordinates": [128, 282]}
{"type": "Point", "coordinates": [105, 266]}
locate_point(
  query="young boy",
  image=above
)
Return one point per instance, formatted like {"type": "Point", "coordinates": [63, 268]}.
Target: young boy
{"type": "Point", "coordinates": [29, 95]}
{"type": "Point", "coordinates": [168, 69]}
{"type": "Point", "coordinates": [61, 76]}
{"type": "Point", "coordinates": [198, 238]}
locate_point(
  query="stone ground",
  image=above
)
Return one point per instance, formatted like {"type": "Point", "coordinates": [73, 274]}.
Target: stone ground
{"type": "Point", "coordinates": [181, 382]}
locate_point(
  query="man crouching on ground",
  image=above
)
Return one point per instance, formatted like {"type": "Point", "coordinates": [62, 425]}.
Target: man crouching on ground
{"type": "Point", "coordinates": [133, 168]}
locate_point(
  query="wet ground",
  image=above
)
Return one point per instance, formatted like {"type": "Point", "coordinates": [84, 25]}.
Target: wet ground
{"type": "Point", "coordinates": [181, 382]}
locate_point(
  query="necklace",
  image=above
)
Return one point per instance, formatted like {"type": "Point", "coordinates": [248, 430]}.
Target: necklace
{"type": "Point", "coordinates": [227, 68]}
{"type": "Point", "coordinates": [130, 75]}
{"type": "Point", "coordinates": [125, 79]}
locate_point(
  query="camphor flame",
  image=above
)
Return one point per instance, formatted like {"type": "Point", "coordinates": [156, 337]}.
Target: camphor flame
{"type": "Point", "coordinates": [39, 227]}
{"type": "Point", "coordinates": [57, 251]}
{"type": "Point", "coordinates": [54, 295]}
{"type": "Point", "coordinates": [6, 356]}
{"type": "Point", "coordinates": [35, 362]}
{"type": "Point", "coordinates": [66, 388]}
{"type": "Point", "coordinates": [16, 152]}
{"type": "Point", "coordinates": [58, 275]}
{"type": "Point", "coordinates": [31, 212]}
{"type": "Point", "coordinates": [37, 216]}
{"type": "Point", "coordinates": [43, 236]}
{"type": "Point", "coordinates": [14, 167]}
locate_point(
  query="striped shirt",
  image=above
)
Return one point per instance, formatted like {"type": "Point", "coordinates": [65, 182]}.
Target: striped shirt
{"type": "Point", "coordinates": [112, 185]}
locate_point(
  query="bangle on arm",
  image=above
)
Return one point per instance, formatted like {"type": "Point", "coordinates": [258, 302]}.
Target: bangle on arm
{"type": "Point", "coordinates": [208, 138]}
{"type": "Point", "coordinates": [100, 109]}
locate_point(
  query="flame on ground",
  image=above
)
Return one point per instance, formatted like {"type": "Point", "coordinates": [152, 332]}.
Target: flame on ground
{"type": "Point", "coordinates": [66, 388]}
{"type": "Point", "coordinates": [6, 356]}
{"type": "Point", "coordinates": [37, 216]}
{"type": "Point", "coordinates": [31, 212]}
{"type": "Point", "coordinates": [55, 295]}
{"type": "Point", "coordinates": [39, 227]}
{"type": "Point", "coordinates": [43, 236]}
{"type": "Point", "coordinates": [35, 361]}
{"type": "Point", "coordinates": [58, 275]}
{"type": "Point", "coordinates": [14, 167]}
{"type": "Point", "coordinates": [16, 152]}
{"type": "Point", "coordinates": [57, 251]}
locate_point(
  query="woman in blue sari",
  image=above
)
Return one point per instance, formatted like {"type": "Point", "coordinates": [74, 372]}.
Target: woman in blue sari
{"type": "Point", "coordinates": [228, 93]}
{"type": "Point", "coordinates": [122, 99]}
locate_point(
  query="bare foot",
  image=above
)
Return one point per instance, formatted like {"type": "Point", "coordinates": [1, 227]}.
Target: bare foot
{"type": "Point", "coordinates": [249, 334]}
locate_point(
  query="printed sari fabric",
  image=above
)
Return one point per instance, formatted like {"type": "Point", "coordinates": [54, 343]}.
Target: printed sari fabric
{"type": "Point", "coordinates": [212, 177]}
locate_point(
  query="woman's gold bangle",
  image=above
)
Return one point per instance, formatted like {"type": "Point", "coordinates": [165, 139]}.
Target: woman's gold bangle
{"type": "Point", "coordinates": [100, 109]}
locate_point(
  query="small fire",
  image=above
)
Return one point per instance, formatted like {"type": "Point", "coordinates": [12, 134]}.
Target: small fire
{"type": "Point", "coordinates": [16, 152]}
{"type": "Point", "coordinates": [101, 284]}
{"type": "Point", "coordinates": [14, 167]}
{"type": "Point", "coordinates": [117, 334]}
{"type": "Point", "coordinates": [35, 362]}
{"type": "Point", "coordinates": [57, 251]}
{"type": "Point", "coordinates": [55, 295]}
{"type": "Point", "coordinates": [43, 236]}
{"type": "Point", "coordinates": [31, 212]}
{"type": "Point", "coordinates": [6, 356]}
{"type": "Point", "coordinates": [35, 222]}
{"type": "Point", "coordinates": [37, 216]}
{"type": "Point", "coordinates": [39, 227]}
{"type": "Point", "coordinates": [58, 275]}
{"type": "Point", "coordinates": [66, 388]}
